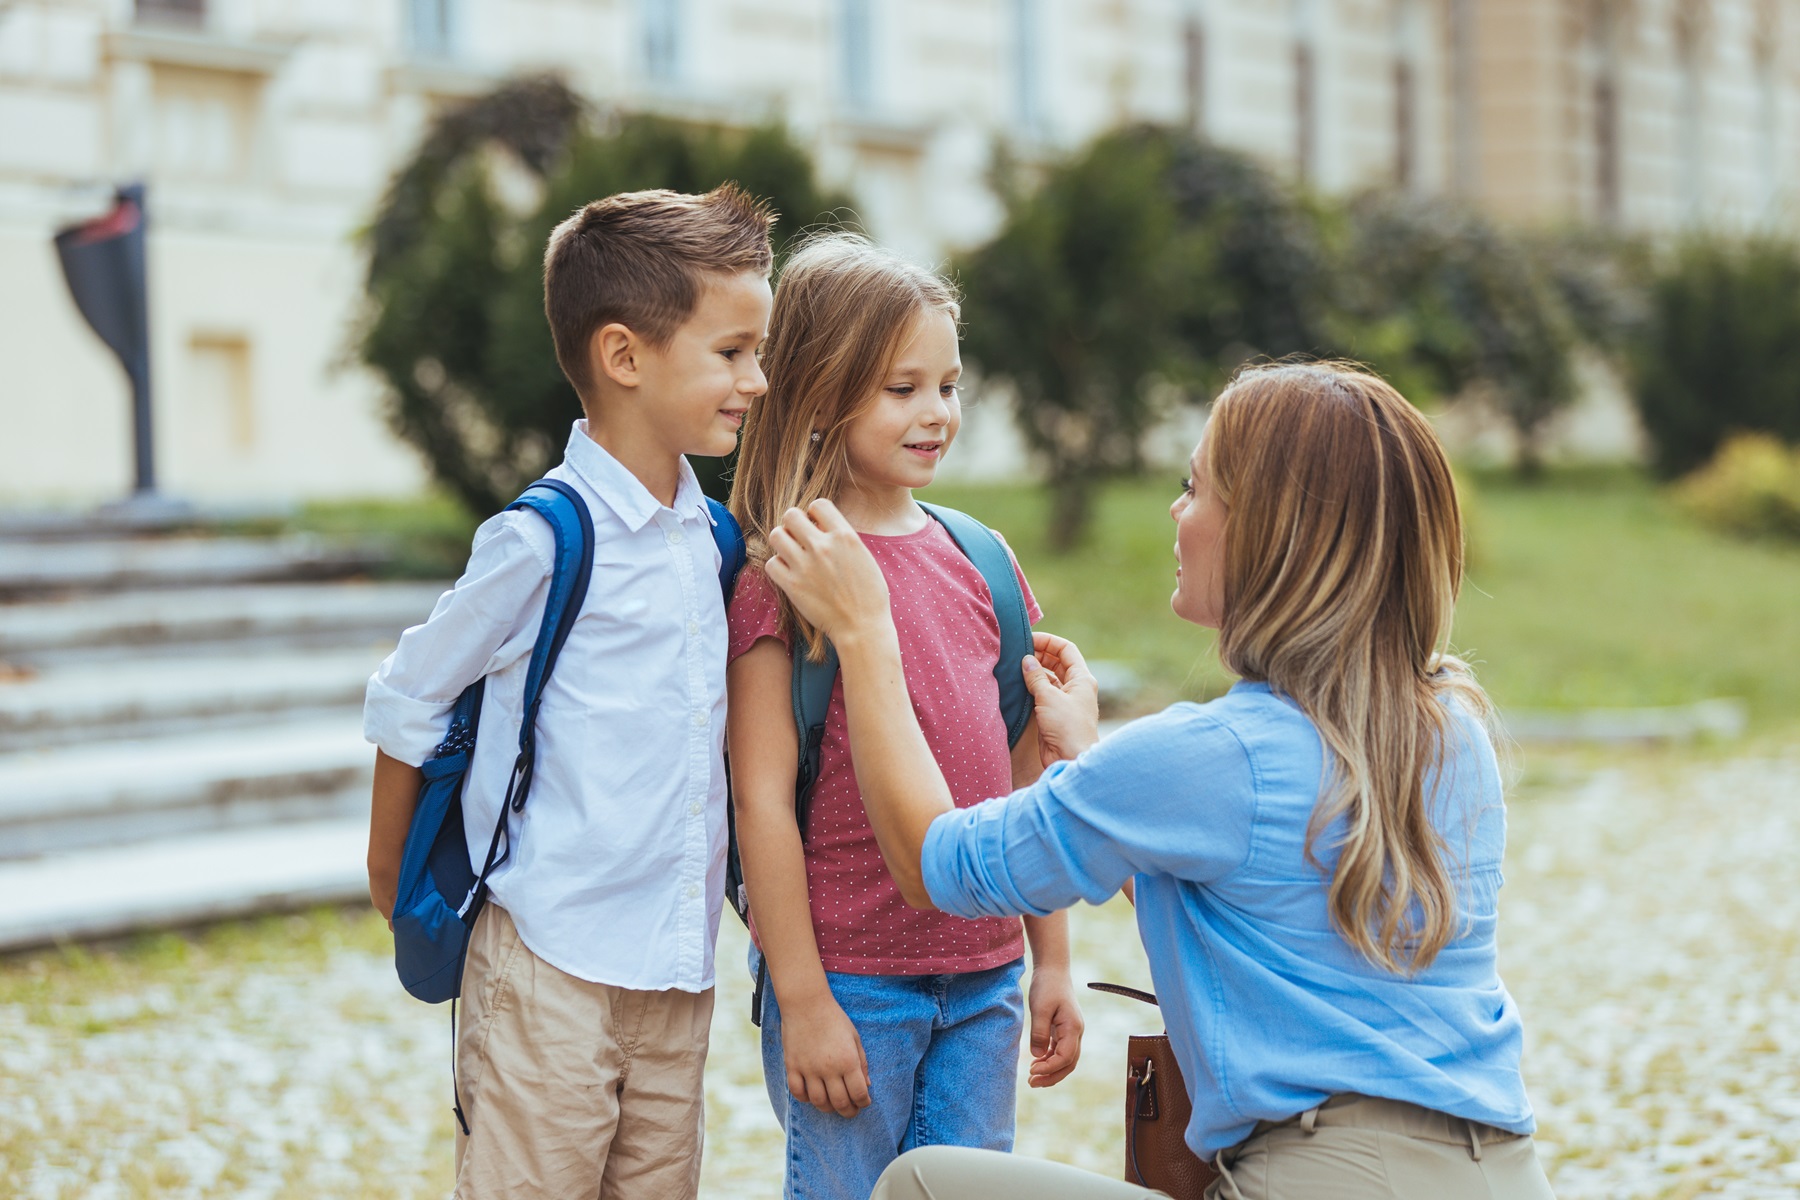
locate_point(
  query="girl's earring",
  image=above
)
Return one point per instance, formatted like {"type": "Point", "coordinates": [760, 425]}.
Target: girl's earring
{"type": "Point", "coordinates": [815, 435]}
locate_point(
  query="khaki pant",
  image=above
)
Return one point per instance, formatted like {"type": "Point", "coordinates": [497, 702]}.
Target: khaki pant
{"type": "Point", "coordinates": [570, 1088]}
{"type": "Point", "coordinates": [1349, 1148]}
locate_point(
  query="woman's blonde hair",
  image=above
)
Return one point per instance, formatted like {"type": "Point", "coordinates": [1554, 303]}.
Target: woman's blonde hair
{"type": "Point", "coordinates": [1343, 560]}
{"type": "Point", "coordinates": [842, 308]}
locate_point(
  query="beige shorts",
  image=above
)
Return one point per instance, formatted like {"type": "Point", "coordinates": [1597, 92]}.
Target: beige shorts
{"type": "Point", "coordinates": [571, 1088]}
{"type": "Point", "coordinates": [1352, 1148]}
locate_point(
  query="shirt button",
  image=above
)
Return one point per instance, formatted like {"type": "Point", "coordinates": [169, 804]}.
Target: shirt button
{"type": "Point", "coordinates": [694, 809]}
{"type": "Point", "coordinates": [698, 719]}
{"type": "Point", "coordinates": [693, 891]}
{"type": "Point", "coordinates": [676, 537]}
{"type": "Point", "coordinates": [693, 629]}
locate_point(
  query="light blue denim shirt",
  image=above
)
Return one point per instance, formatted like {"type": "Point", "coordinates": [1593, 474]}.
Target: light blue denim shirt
{"type": "Point", "coordinates": [1268, 1008]}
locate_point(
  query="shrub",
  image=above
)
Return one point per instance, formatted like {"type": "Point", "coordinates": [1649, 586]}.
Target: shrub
{"type": "Point", "coordinates": [1751, 487]}
{"type": "Point", "coordinates": [1443, 300]}
{"type": "Point", "coordinates": [1148, 258]}
{"type": "Point", "coordinates": [1720, 348]}
{"type": "Point", "coordinates": [455, 322]}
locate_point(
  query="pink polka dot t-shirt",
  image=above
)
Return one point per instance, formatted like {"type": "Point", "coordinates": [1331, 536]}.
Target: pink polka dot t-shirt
{"type": "Point", "coordinates": [949, 643]}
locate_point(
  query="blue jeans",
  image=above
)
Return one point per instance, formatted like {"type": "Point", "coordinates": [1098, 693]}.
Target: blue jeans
{"type": "Point", "coordinates": [943, 1056]}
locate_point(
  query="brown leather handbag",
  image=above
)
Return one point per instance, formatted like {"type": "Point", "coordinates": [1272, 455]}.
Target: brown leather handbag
{"type": "Point", "coordinates": [1156, 1114]}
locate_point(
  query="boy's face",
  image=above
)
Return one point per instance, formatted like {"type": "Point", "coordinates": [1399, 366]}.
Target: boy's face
{"type": "Point", "coordinates": [693, 392]}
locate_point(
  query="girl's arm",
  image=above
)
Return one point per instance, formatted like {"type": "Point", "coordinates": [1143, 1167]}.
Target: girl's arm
{"type": "Point", "coordinates": [824, 1057]}
{"type": "Point", "coordinates": [1056, 1020]}
{"type": "Point", "coordinates": [823, 566]}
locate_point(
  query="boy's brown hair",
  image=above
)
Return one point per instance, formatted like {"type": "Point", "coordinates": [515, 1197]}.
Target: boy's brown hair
{"type": "Point", "coordinates": [640, 259]}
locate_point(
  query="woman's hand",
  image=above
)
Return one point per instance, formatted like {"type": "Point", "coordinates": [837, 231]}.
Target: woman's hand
{"type": "Point", "coordinates": [820, 562]}
{"type": "Point", "coordinates": [1067, 697]}
{"type": "Point", "coordinates": [826, 1066]}
{"type": "Point", "coordinates": [1056, 1026]}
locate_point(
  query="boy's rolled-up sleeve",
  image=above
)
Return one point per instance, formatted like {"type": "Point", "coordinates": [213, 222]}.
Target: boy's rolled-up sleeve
{"type": "Point", "coordinates": [1172, 794]}
{"type": "Point", "coordinates": [487, 620]}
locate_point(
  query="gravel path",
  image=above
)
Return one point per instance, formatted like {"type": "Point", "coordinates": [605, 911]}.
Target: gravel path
{"type": "Point", "coordinates": [1651, 925]}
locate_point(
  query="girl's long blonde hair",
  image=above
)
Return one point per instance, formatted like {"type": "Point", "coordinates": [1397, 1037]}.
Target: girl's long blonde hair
{"type": "Point", "coordinates": [1343, 560]}
{"type": "Point", "coordinates": [841, 309]}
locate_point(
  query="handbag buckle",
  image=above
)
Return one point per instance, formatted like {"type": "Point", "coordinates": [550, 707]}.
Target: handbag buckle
{"type": "Point", "coordinates": [1146, 1090]}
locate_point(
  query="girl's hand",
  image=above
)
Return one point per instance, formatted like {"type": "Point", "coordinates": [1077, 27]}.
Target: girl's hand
{"type": "Point", "coordinates": [1056, 1026]}
{"type": "Point", "coordinates": [823, 566]}
{"type": "Point", "coordinates": [1067, 697]}
{"type": "Point", "coordinates": [826, 1066]}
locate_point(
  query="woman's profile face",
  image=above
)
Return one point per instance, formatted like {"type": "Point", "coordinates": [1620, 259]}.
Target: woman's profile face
{"type": "Point", "coordinates": [1199, 548]}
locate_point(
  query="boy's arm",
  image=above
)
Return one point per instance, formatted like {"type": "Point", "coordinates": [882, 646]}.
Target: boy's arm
{"type": "Point", "coordinates": [824, 1057]}
{"type": "Point", "coordinates": [390, 815]}
{"type": "Point", "coordinates": [483, 623]}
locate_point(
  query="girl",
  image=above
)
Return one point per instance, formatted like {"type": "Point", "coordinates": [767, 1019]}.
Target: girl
{"type": "Point", "coordinates": [883, 1027]}
{"type": "Point", "coordinates": [1316, 854]}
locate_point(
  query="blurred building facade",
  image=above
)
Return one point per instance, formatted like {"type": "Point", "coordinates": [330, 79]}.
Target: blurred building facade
{"type": "Point", "coordinates": [266, 130]}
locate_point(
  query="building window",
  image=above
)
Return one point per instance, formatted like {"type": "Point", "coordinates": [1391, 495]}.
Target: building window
{"type": "Point", "coordinates": [856, 54]}
{"type": "Point", "coordinates": [1465, 99]}
{"type": "Point", "coordinates": [1193, 72]}
{"type": "Point", "coordinates": [662, 39]}
{"type": "Point", "coordinates": [1600, 64]}
{"type": "Point", "coordinates": [1691, 118]}
{"type": "Point", "coordinates": [201, 125]}
{"type": "Point", "coordinates": [1606, 147]}
{"type": "Point", "coordinates": [1027, 65]}
{"type": "Point", "coordinates": [220, 394]}
{"type": "Point", "coordinates": [1406, 123]}
{"type": "Point", "coordinates": [431, 28]}
{"type": "Point", "coordinates": [1768, 129]}
{"type": "Point", "coordinates": [1306, 16]}
{"type": "Point", "coordinates": [171, 12]}
{"type": "Point", "coordinates": [1306, 131]}
{"type": "Point", "coordinates": [1408, 39]}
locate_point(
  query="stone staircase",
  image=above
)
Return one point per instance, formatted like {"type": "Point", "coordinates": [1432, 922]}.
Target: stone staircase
{"type": "Point", "coordinates": [180, 731]}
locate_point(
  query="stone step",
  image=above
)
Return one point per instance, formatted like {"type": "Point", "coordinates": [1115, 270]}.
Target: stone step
{"type": "Point", "coordinates": [303, 612]}
{"type": "Point", "coordinates": [38, 568]}
{"type": "Point", "coordinates": [139, 695]}
{"type": "Point", "coordinates": [100, 793]}
{"type": "Point", "coordinates": [181, 880]}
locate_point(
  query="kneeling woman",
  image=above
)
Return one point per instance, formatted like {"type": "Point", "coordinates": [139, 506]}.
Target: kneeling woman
{"type": "Point", "coordinates": [1316, 854]}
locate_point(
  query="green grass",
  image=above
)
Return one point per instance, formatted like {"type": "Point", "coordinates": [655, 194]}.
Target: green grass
{"type": "Point", "coordinates": [1585, 590]}
{"type": "Point", "coordinates": [427, 537]}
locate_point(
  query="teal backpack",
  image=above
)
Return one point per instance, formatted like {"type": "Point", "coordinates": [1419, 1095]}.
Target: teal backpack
{"type": "Point", "coordinates": [813, 683]}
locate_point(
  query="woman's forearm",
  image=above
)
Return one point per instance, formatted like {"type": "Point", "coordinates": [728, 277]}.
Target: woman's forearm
{"type": "Point", "coordinates": [1048, 938]}
{"type": "Point", "coordinates": [903, 789]}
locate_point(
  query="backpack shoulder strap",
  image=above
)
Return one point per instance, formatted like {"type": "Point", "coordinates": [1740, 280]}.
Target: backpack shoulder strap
{"type": "Point", "coordinates": [983, 547]}
{"type": "Point", "coordinates": [813, 683]}
{"type": "Point", "coordinates": [728, 536]}
{"type": "Point", "coordinates": [573, 528]}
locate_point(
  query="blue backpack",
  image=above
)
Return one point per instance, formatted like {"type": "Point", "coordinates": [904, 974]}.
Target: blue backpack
{"type": "Point", "coordinates": [813, 683]}
{"type": "Point", "coordinates": [440, 894]}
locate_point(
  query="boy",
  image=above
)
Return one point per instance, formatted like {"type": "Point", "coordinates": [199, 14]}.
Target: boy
{"type": "Point", "coordinates": [587, 988]}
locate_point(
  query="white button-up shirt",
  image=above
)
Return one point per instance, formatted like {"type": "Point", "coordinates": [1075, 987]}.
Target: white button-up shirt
{"type": "Point", "coordinates": [617, 871]}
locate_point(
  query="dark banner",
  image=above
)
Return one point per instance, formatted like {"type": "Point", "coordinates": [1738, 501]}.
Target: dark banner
{"type": "Point", "coordinates": [103, 260]}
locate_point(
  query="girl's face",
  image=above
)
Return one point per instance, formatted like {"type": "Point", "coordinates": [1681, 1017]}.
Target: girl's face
{"type": "Point", "coordinates": [899, 440]}
{"type": "Point", "coordinates": [1199, 548]}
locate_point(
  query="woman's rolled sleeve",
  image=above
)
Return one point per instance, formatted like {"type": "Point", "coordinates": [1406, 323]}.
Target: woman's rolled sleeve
{"type": "Point", "coordinates": [1171, 794]}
